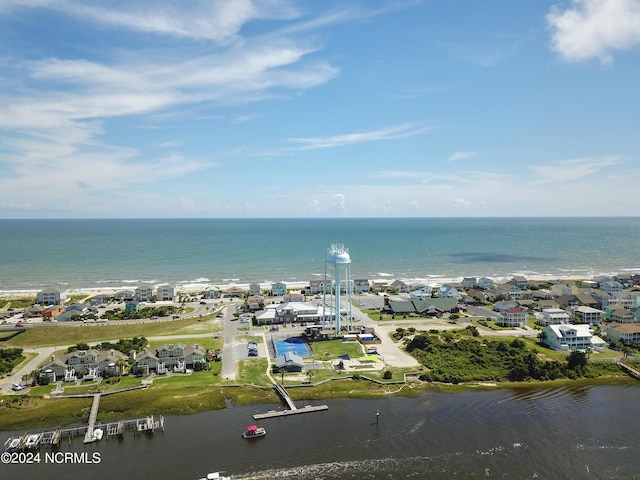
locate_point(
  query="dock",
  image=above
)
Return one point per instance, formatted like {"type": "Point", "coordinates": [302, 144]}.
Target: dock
{"type": "Point", "coordinates": [52, 438]}
{"type": "Point", "coordinates": [629, 369]}
{"type": "Point", "coordinates": [93, 414]}
{"type": "Point", "coordinates": [292, 410]}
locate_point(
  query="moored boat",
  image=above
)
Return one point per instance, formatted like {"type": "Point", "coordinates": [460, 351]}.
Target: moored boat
{"type": "Point", "coordinates": [216, 476]}
{"type": "Point", "coordinates": [253, 431]}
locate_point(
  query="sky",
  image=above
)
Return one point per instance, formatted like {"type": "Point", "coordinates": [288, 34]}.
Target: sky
{"type": "Point", "coordinates": [279, 108]}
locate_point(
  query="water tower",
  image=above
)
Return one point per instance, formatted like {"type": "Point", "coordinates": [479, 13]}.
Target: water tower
{"type": "Point", "coordinates": [337, 279]}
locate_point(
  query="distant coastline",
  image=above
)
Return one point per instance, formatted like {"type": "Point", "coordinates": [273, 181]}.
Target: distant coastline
{"type": "Point", "coordinates": [194, 253]}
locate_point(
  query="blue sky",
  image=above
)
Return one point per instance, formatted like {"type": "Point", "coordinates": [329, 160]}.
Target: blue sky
{"type": "Point", "coordinates": [319, 109]}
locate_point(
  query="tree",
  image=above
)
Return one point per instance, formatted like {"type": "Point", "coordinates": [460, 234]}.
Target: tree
{"type": "Point", "coordinates": [577, 361]}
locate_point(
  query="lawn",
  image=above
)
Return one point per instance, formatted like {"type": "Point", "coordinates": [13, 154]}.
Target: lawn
{"type": "Point", "coordinates": [332, 349]}
{"type": "Point", "coordinates": [47, 336]}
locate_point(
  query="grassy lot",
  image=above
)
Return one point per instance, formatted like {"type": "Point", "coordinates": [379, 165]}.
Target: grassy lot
{"type": "Point", "coordinates": [47, 336]}
{"type": "Point", "coordinates": [331, 349]}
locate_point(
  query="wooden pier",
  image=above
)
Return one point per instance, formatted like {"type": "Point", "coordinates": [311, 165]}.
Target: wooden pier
{"type": "Point", "coordinates": [292, 410]}
{"type": "Point", "coordinates": [52, 438]}
{"type": "Point", "coordinates": [629, 369]}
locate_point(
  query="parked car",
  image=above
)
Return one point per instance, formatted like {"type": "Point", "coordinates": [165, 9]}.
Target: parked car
{"type": "Point", "coordinates": [253, 352]}
{"type": "Point", "coordinates": [175, 317]}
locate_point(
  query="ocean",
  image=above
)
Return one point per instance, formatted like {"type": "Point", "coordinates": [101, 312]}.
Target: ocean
{"type": "Point", "coordinates": [118, 253]}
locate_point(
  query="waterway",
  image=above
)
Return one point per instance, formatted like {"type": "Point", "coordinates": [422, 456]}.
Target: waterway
{"type": "Point", "coordinates": [560, 433]}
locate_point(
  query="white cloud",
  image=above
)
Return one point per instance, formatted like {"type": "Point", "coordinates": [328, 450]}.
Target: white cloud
{"type": "Point", "coordinates": [572, 169]}
{"type": "Point", "coordinates": [594, 28]}
{"type": "Point", "coordinates": [461, 203]}
{"type": "Point", "coordinates": [461, 156]}
{"type": "Point", "coordinates": [390, 133]}
{"type": "Point", "coordinates": [197, 19]}
{"type": "Point", "coordinates": [340, 201]}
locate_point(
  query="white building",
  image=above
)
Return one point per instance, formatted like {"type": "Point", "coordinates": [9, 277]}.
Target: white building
{"type": "Point", "coordinates": [485, 283]}
{"type": "Point", "coordinates": [51, 296]}
{"type": "Point", "coordinates": [144, 294]}
{"type": "Point", "coordinates": [255, 289]}
{"type": "Point", "coordinates": [165, 293]}
{"type": "Point", "coordinates": [512, 317]}
{"type": "Point", "coordinates": [361, 285]}
{"type": "Point", "coordinates": [569, 337]}
{"type": "Point", "coordinates": [553, 316]}
{"type": "Point", "coordinates": [588, 315]}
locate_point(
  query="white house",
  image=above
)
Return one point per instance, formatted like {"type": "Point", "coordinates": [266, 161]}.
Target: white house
{"type": "Point", "coordinates": [589, 315]}
{"type": "Point", "coordinates": [399, 286]}
{"type": "Point", "coordinates": [512, 317]}
{"type": "Point", "coordinates": [51, 296]}
{"type": "Point", "coordinates": [255, 289]}
{"type": "Point", "coordinates": [449, 291]}
{"type": "Point", "coordinates": [560, 289]}
{"type": "Point", "coordinates": [571, 337]}
{"type": "Point", "coordinates": [361, 285]}
{"type": "Point", "coordinates": [469, 282]}
{"type": "Point", "coordinates": [165, 293]}
{"type": "Point", "coordinates": [553, 316]}
{"type": "Point", "coordinates": [144, 294]}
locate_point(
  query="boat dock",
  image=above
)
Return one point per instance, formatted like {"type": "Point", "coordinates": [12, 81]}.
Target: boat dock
{"type": "Point", "coordinates": [52, 438]}
{"type": "Point", "coordinates": [292, 410]}
{"type": "Point", "coordinates": [93, 414]}
{"type": "Point", "coordinates": [629, 369]}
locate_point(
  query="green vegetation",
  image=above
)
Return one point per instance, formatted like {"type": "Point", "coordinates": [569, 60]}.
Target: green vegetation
{"type": "Point", "coordinates": [9, 358]}
{"type": "Point", "coordinates": [455, 356]}
{"type": "Point", "coordinates": [17, 302]}
{"type": "Point", "coordinates": [48, 336]}
{"type": "Point", "coordinates": [146, 312]}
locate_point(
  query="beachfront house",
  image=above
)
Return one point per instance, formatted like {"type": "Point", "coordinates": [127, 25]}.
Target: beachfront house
{"type": "Point", "coordinates": [316, 286]}
{"type": "Point", "coordinates": [101, 299]}
{"type": "Point", "coordinates": [255, 289]}
{"type": "Point", "coordinates": [234, 292]}
{"type": "Point", "coordinates": [519, 281]}
{"type": "Point", "coordinates": [51, 296]}
{"type": "Point", "coordinates": [165, 293]}
{"type": "Point", "coordinates": [211, 294]}
{"type": "Point", "coordinates": [361, 285]}
{"type": "Point", "coordinates": [124, 295]}
{"type": "Point", "coordinates": [170, 357]}
{"type": "Point", "coordinates": [569, 337]}
{"type": "Point", "coordinates": [79, 363]}
{"type": "Point", "coordinates": [399, 286]}
{"type": "Point", "coordinates": [553, 316]}
{"type": "Point", "coordinates": [469, 282]}
{"type": "Point", "coordinates": [144, 294]}
{"type": "Point", "coordinates": [278, 289]}
{"type": "Point", "coordinates": [512, 317]}
{"type": "Point", "coordinates": [485, 283]}
{"type": "Point", "coordinates": [627, 333]}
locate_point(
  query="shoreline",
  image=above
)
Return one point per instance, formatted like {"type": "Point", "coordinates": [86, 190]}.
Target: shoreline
{"type": "Point", "coordinates": [189, 288]}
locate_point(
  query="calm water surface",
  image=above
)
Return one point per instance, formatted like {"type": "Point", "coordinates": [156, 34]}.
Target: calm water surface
{"type": "Point", "coordinates": [575, 433]}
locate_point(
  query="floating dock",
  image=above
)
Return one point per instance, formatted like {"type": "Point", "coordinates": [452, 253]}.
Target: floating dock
{"type": "Point", "coordinates": [292, 410]}
{"type": "Point", "coordinates": [52, 438]}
